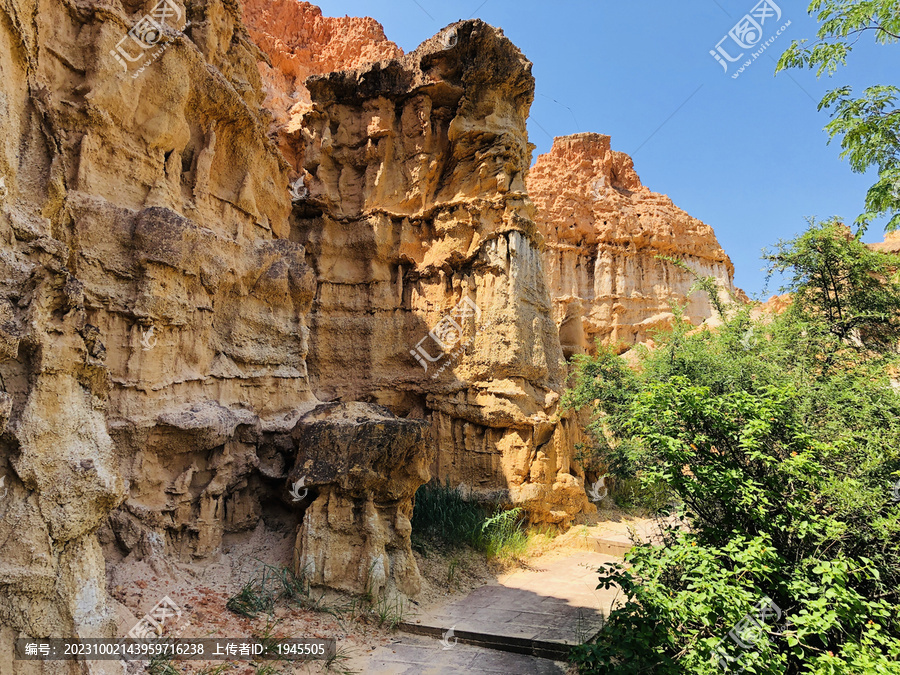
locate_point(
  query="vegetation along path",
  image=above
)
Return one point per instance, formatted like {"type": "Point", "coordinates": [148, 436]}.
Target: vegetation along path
{"type": "Point", "coordinates": [524, 622]}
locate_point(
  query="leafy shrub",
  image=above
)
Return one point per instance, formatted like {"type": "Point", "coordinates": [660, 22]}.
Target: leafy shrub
{"type": "Point", "coordinates": [442, 517]}
{"type": "Point", "coordinates": [634, 494]}
{"type": "Point", "coordinates": [783, 449]}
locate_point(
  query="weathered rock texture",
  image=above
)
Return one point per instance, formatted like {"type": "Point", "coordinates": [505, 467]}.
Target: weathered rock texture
{"type": "Point", "coordinates": [361, 466]}
{"type": "Point", "coordinates": [171, 319]}
{"type": "Point", "coordinates": [417, 205]}
{"type": "Point", "coordinates": [300, 42]}
{"type": "Point", "coordinates": [603, 232]}
{"type": "Point", "coordinates": [153, 337]}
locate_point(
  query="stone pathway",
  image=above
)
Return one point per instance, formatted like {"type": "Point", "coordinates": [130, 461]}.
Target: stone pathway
{"type": "Point", "coordinates": [524, 623]}
{"type": "Point", "coordinates": [418, 655]}
{"type": "Point", "coordinates": [614, 537]}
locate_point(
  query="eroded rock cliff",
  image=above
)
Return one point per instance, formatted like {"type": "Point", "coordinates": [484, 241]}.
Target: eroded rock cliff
{"type": "Point", "coordinates": [154, 315]}
{"type": "Point", "coordinates": [891, 243]}
{"type": "Point", "coordinates": [298, 42]}
{"type": "Point", "coordinates": [153, 309]}
{"type": "Point", "coordinates": [431, 294]}
{"type": "Point", "coordinates": [604, 233]}
{"type": "Point", "coordinates": [409, 205]}
{"type": "Point", "coordinates": [175, 306]}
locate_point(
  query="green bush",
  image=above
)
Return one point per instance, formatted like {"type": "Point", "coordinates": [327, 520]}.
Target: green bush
{"type": "Point", "coordinates": [784, 450]}
{"type": "Point", "coordinates": [642, 497]}
{"type": "Point", "coordinates": [443, 517]}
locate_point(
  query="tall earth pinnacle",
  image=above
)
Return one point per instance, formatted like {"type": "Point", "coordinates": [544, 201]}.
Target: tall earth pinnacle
{"type": "Point", "coordinates": [431, 295]}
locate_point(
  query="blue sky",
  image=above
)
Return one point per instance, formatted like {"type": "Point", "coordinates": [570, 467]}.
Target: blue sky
{"type": "Point", "coordinates": [746, 155]}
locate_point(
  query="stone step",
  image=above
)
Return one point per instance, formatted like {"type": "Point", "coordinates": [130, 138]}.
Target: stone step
{"type": "Point", "coordinates": [542, 611]}
{"type": "Point", "coordinates": [526, 622]}
{"type": "Point", "coordinates": [420, 655]}
{"type": "Point", "coordinates": [610, 546]}
{"type": "Point", "coordinates": [544, 649]}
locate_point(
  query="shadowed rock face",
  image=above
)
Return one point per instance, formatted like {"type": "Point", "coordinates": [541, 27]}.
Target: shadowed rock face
{"type": "Point", "coordinates": [604, 232]}
{"type": "Point", "coordinates": [417, 219]}
{"type": "Point", "coordinates": [155, 297]}
{"type": "Point", "coordinates": [361, 466]}
{"type": "Point", "coordinates": [153, 333]}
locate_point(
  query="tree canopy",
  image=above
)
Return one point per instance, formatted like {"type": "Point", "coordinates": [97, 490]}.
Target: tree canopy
{"type": "Point", "coordinates": [868, 125]}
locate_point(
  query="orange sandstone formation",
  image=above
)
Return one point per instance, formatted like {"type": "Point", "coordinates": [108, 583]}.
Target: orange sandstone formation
{"type": "Point", "coordinates": [298, 42]}
{"type": "Point", "coordinates": [432, 299]}
{"type": "Point", "coordinates": [891, 243]}
{"type": "Point", "coordinates": [604, 232]}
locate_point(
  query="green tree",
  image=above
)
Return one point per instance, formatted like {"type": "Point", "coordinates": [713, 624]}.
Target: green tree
{"type": "Point", "coordinates": [868, 125]}
{"type": "Point", "coordinates": [836, 279]}
{"type": "Point", "coordinates": [785, 468]}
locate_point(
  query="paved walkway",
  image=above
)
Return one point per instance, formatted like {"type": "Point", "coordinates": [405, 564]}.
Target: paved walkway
{"type": "Point", "coordinates": [524, 623]}
{"type": "Point", "coordinates": [417, 655]}
{"type": "Point", "coordinates": [614, 537]}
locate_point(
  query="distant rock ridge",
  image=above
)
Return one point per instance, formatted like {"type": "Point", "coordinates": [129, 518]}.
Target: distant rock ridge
{"type": "Point", "coordinates": [891, 243]}
{"type": "Point", "coordinates": [603, 232]}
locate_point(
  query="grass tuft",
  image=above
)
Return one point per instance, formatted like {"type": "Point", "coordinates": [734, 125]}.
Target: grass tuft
{"type": "Point", "coordinates": [503, 534]}
{"type": "Point", "coordinates": [268, 586]}
{"type": "Point", "coordinates": [337, 663]}
{"type": "Point", "coordinates": [162, 665]}
{"type": "Point", "coordinates": [443, 518]}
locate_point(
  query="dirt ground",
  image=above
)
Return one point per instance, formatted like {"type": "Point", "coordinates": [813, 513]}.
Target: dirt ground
{"type": "Point", "coordinates": [201, 591]}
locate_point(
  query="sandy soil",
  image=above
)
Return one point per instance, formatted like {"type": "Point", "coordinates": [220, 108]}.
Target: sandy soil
{"type": "Point", "coordinates": [201, 591]}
